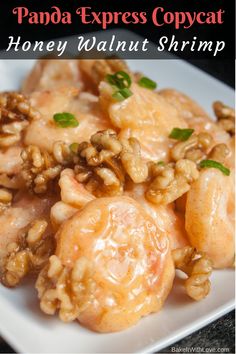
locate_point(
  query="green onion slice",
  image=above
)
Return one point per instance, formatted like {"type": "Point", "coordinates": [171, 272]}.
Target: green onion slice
{"type": "Point", "coordinates": [161, 163]}
{"type": "Point", "coordinates": [147, 83]}
{"type": "Point", "coordinates": [122, 94]}
{"type": "Point", "coordinates": [65, 120]}
{"type": "Point", "coordinates": [215, 164]}
{"type": "Point", "coordinates": [120, 80]}
{"type": "Point", "coordinates": [74, 148]}
{"type": "Point", "coordinates": [181, 134]}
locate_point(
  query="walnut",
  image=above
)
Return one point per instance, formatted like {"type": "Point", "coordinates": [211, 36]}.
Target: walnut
{"type": "Point", "coordinates": [107, 161]}
{"type": "Point", "coordinates": [62, 153]}
{"type": "Point", "coordinates": [225, 116]}
{"type": "Point", "coordinates": [219, 153]}
{"type": "Point", "coordinates": [29, 254]}
{"type": "Point", "coordinates": [194, 149]}
{"type": "Point", "coordinates": [15, 114]}
{"type": "Point", "coordinates": [41, 167]}
{"type": "Point", "coordinates": [65, 289]}
{"type": "Point", "coordinates": [5, 198]}
{"type": "Point", "coordinates": [112, 184]}
{"type": "Point", "coordinates": [11, 182]}
{"type": "Point", "coordinates": [169, 182]}
{"type": "Point", "coordinates": [102, 164]}
{"type": "Point", "coordinates": [104, 145]}
{"type": "Point", "coordinates": [197, 267]}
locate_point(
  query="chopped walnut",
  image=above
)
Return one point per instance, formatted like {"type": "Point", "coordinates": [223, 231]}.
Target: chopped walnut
{"type": "Point", "coordinates": [5, 198]}
{"type": "Point", "coordinates": [105, 162]}
{"type": "Point", "coordinates": [65, 289]}
{"type": "Point", "coordinates": [169, 182]}
{"type": "Point", "coordinates": [40, 167]}
{"type": "Point", "coordinates": [194, 149]}
{"type": "Point", "coordinates": [104, 145]}
{"type": "Point", "coordinates": [11, 182]}
{"type": "Point", "coordinates": [197, 267]}
{"type": "Point", "coordinates": [225, 116]}
{"type": "Point", "coordinates": [219, 153]}
{"type": "Point", "coordinates": [62, 153]}
{"type": "Point", "coordinates": [112, 184]}
{"type": "Point", "coordinates": [102, 164]}
{"type": "Point", "coordinates": [29, 254]}
{"type": "Point", "coordinates": [15, 114]}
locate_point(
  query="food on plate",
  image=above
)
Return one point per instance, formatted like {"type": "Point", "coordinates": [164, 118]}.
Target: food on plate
{"type": "Point", "coordinates": [107, 186]}
{"type": "Point", "coordinates": [111, 266]}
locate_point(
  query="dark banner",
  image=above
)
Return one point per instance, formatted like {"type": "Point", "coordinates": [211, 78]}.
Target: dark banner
{"type": "Point", "coordinates": [190, 29]}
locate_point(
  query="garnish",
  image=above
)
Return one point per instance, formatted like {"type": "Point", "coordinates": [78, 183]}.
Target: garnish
{"type": "Point", "coordinates": [74, 148]}
{"type": "Point", "coordinates": [122, 94]}
{"type": "Point", "coordinates": [121, 82]}
{"type": "Point", "coordinates": [147, 83]}
{"type": "Point", "coordinates": [65, 120]}
{"type": "Point", "coordinates": [161, 163]}
{"type": "Point", "coordinates": [215, 164]}
{"type": "Point", "coordinates": [181, 134]}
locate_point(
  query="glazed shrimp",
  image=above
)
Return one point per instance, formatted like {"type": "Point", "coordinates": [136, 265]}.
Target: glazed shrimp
{"type": "Point", "coordinates": [93, 71]}
{"type": "Point", "coordinates": [52, 74]}
{"type": "Point", "coordinates": [83, 106]}
{"type": "Point", "coordinates": [111, 267]}
{"type": "Point", "coordinates": [168, 220]}
{"type": "Point", "coordinates": [194, 115]}
{"type": "Point", "coordinates": [10, 160]}
{"type": "Point", "coordinates": [73, 197]}
{"type": "Point", "coordinates": [146, 116]}
{"type": "Point", "coordinates": [209, 217]}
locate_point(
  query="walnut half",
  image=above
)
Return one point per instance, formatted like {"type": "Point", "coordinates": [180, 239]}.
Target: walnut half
{"type": "Point", "coordinates": [41, 167]}
{"type": "Point", "coordinates": [225, 116]}
{"type": "Point", "coordinates": [171, 181]}
{"type": "Point", "coordinates": [106, 161]}
{"type": "Point", "coordinates": [15, 114]}
{"type": "Point", "coordinates": [198, 267]}
{"type": "Point", "coordinates": [64, 289]}
{"type": "Point", "coordinates": [5, 198]}
{"type": "Point", "coordinates": [29, 254]}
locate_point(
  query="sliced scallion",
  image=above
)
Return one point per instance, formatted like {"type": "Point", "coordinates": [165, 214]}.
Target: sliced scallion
{"type": "Point", "coordinates": [65, 120]}
{"type": "Point", "coordinates": [215, 164]}
{"type": "Point", "coordinates": [122, 94]}
{"type": "Point", "coordinates": [181, 134]}
{"type": "Point", "coordinates": [147, 83]}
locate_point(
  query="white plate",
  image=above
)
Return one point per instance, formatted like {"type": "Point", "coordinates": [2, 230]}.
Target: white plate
{"type": "Point", "coordinates": [28, 330]}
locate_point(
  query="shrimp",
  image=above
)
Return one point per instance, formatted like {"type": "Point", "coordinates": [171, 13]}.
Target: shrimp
{"type": "Point", "coordinates": [185, 105]}
{"type": "Point", "coordinates": [194, 115]}
{"type": "Point", "coordinates": [93, 71]}
{"type": "Point", "coordinates": [111, 266]}
{"type": "Point", "coordinates": [10, 160]}
{"type": "Point", "coordinates": [146, 116]}
{"type": "Point", "coordinates": [73, 197]}
{"type": "Point", "coordinates": [209, 216]}
{"type": "Point", "coordinates": [52, 74]}
{"type": "Point", "coordinates": [168, 220]}
{"type": "Point", "coordinates": [83, 106]}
